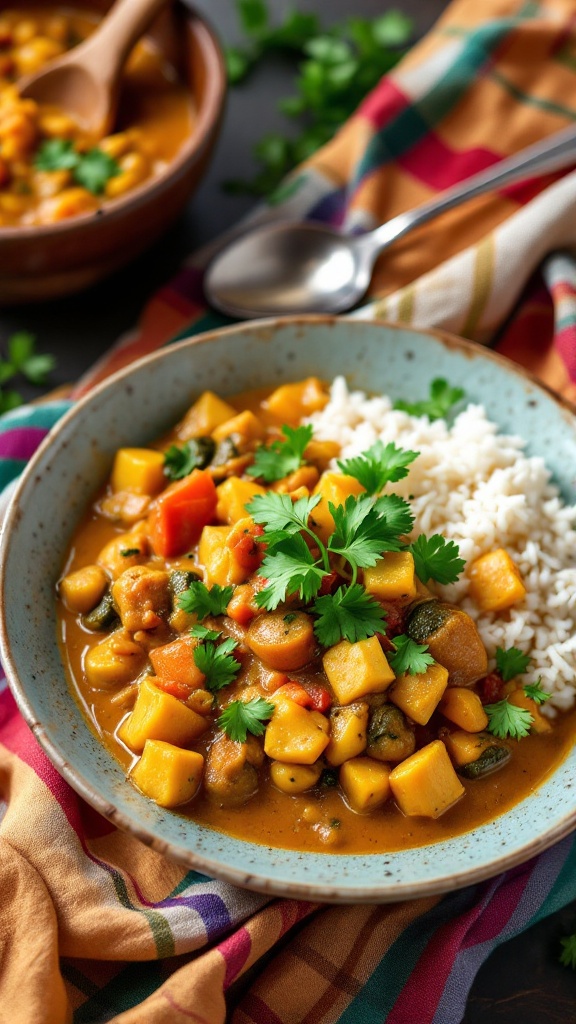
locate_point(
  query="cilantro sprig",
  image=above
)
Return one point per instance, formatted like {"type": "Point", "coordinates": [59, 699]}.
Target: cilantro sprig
{"type": "Point", "coordinates": [351, 613]}
{"type": "Point", "coordinates": [511, 663]}
{"type": "Point", "coordinates": [217, 663]}
{"type": "Point", "coordinates": [241, 717]}
{"type": "Point", "coordinates": [201, 600]}
{"type": "Point", "coordinates": [506, 719]}
{"type": "Point", "coordinates": [379, 465]}
{"type": "Point", "coordinates": [92, 169]}
{"type": "Point", "coordinates": [536, 692]}
{"type": "Point", "coordinates": [568, 954]}
{"type": "Point", "coordinates": [409, 656]}
{"type": "Point", "coordinates": [436, 558]}
{"type": "Point", "coordinates": [443, 397]}
{"type": "Point", "coordinates": [22, 358]}
{"type": "Point", "coordinates": [281, 457]}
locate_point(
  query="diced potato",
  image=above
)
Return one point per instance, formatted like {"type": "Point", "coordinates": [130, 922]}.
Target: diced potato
{"type": "Point", "coordinates": [305, 477]}
{"type": "Point", "coordinates": [365, 783]}
{"type": "Point", "coordinates": [220, 565]}
{"type": "Point", "coordinates": [321, 453]}
{"type": "Point", "coordinates": [357, 669]}
{"type": "Point", "coordinates": [521, 700]}
{"type": "Point", "coordinates": [142, 597]}
{"type": "Point", "coordinates": [464, 708]}
{"type": "Point", "coordinates": [294, 778]}
{"type": "Point", "coordinates": [418, 694]}
{"type": "Point", "coordinates": [390, 737]}
{"type": "Point", "coordinates": [295, 735]}
{"type": "Point", "coordinates": [205, 415]}
{"type": "Point", "coordinates": [348, 727]}
{"type": "Point", "coordinates": [83, 589]}
{"type": "Point", "coordinates": [124, 507]}
{"type": "Point", "coordinates": [495, 582]}
{"type": "Point", "coordinates": [291, 402]}
{"type": "Point", "coordinates": [168, 774]}
{"type": "Point", "coordinates": [334, 487]}
{"type": "Point", "coordinates": [231, 778]}
{"type": "Point", "coordinates": [393, 577]}
{"type": "Point", "coordinates": [116, 661]}
{"type": "Point", "coordinates": [233, 496]}
{"type": "Point", "coordinates": [140, 470]}
{"type": "Point", "coordinates": [160, 716]}
{"type": "Point", "coordinates": [475, 754]}
{"type": "Point", "coordinates": [126, 550]}
{"type": "Point", "coordinates": [425, 784]}
{"type": "Point", "coordinates": [453, 640]}
{"type": "Point", "coordinates": [244, 426]}
{"type": "Point", "coordinates": [283, 640]}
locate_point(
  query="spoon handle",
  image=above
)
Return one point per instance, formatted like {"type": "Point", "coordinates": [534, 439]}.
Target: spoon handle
{"type": "Point", "coordinates": [104, 52]}
{"type": "Point", "coordinates": [551, 154]}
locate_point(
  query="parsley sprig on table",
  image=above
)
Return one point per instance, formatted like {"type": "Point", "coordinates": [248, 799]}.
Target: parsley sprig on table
{"type": "Point", "coordinates": [506, 719]}
{"type": "Point", "coordinates": [201, 600]}
{"type": "Point", "coordinates": [337, 68]}
{"type": "Point", "coordinates": [217, 663]}
{"type": "Point", "coordinates": [241, 717]}
{"type": "Point", "coordinates": [92, 169]}
{"type": "Point", "coordinates": [22, 358]}
{"type": "Point", "coordinates": [443, 397]}
{"type": "Point", "coordinates": [281, 457]}
{"type": "Point", "coordinates": [568, 954]}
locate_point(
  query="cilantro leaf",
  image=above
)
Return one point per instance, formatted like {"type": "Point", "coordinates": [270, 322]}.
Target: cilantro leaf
{"type": "Point", "coordinates": [277, 512]}
{"type": "Point", "coordinates": [568, 954]}
{"type": "Point", "coordinates": [23, 358]}
{"type": "Point", "coordinates": [56, 155]}
{"type": "Point", "coordinates": [289, 568]}
{"type": "Point", "coordinates": [506, 719]}
{"type": "Point", "coordinates": [409, 656]}
{"type": "Point", "coordinates": [180, 460]}
{"type": "Point", "coordinates": [365, 528]}
{"type": "Point", "coordinates": [217, 663]}
{"type": "Point", "coordinates": [379, 465]}
{"type": "Point", "coordinates": [241, 717]}
{"type": "Point", "coordinates": [202, 601]}
{"type": "Point", "coordinates": [440, 403]}
{"type": "Point", "coordinates": [278, 459]}
{"type": "Point", "coordinates": [351, 613]}
{"type": "Point", "coordinates": [253, 16]}
{"type": "Point", "coordinates": [536, 692]}
{"type": "Point", "coordinates": [94, 169]}
{"type": "Point", "coordinates": [436, 558]}
{"type": "Point", "coordinates": [511, 663]}
{"type": "Point", "coordinates": [203, 633]}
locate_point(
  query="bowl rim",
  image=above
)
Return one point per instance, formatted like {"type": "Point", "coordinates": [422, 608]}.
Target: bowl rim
{"type": "Point", "coordinates": [205, 122]}
{"type": "Point", "coordinates": [314, 891]}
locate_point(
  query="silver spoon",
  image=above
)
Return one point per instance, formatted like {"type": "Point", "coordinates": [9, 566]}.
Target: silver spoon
{"type": "Point", "coordinates": [307, 267]}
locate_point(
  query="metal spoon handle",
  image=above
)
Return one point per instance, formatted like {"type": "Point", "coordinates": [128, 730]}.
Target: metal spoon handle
{"type": "Point", "coordinates": [551, 154]}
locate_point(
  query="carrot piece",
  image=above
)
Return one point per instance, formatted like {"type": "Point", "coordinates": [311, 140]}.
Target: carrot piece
{"type": "Point", "coordinates": [181, 512]}
{"type": "Point", "coordinates": [247, 551]}
{"type": "Point", "coordinates": [174, 662]}
{"type": "Point", "coordinates": [313, 696]}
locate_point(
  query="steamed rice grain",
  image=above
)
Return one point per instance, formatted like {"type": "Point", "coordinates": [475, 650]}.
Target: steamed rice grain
{"type": "Point", "coordinates": [479, 488]}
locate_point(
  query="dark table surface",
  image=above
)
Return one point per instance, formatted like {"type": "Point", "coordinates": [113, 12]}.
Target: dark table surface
{"type": "Point", "coordinates": [523, 980]}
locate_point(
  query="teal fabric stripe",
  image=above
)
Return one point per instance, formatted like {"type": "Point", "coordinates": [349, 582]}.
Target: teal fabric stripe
{"type": "Point", "coordinates": [416, 121]}
{"type": "Point", "coordinates": [9, 470]}
{"type": "Point", "coordinates": [376, 999]}
{"type": "Point", "coordinates": [562, 892]}
{"type": "Point", "coordinates": [129, 988]}
{"type": "Point", "coordinates": [531, 101]}
{"type": "Point", "coordinates": [191, 878]}
{"type": "Point", "coordinates": [208, 322]}
{"type": "Point", "coordinates": [44, 415]}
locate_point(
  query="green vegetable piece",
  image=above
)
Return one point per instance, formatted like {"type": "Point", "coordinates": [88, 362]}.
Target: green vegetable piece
{"type": "Point", "coordinates": [103, 616]}
{"type": "Point", "coordinates": [425, 619]}
{"type": "Point", "coordinates": [179, 582]}
{"type": "Point", "coordinates": [489, 760]}
{"type": "Point", "coordinates": [241, 717]}
{"type": "Point", "coordinates": [224, 452]}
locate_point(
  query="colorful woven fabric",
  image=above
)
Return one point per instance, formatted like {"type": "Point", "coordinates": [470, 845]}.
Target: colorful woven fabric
{"type": "Point", "coordinates": [96, 927]}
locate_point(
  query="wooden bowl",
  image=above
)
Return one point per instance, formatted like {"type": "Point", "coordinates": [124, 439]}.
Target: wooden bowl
{"type": "Point", "coordinates": [49, 261]}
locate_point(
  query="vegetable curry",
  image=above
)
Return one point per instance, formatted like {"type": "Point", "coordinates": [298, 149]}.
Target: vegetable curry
{"type": "Point", "coordinates": [256, 633]}
{"type": "Point", "coordinates": [50, 168]}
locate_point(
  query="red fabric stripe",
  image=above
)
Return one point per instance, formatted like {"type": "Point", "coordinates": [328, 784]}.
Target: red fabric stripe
{"type": "Point", "coordinates": [565, 342]}
{"type": "Point", "coordinates": [235, 951]}
{"type": "Point", "coordinates": [435, 164]}
{"type": "Point", "coordinates": [500, 910]}
{"type": "Point", "coordinates": [257, 1010]}
{"type": "Point", "coordinates": [383, 104]}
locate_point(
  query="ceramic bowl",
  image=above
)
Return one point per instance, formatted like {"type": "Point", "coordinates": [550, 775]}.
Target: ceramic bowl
{"type": "Point", "coordinates": [49, 261]}
{"type": "Point", "coordinates": [138, 405]}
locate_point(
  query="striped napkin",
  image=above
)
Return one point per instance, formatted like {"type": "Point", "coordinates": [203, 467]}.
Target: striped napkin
{"type": "Point", "coordinates": [96, 927]}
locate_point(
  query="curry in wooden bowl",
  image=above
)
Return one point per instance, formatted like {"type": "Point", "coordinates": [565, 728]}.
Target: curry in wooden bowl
{"type": "Point", "coordinates": [325, 631]}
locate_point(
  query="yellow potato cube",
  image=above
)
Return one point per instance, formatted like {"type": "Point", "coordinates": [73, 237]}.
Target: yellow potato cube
{"type": "Point", "coordinates": [207, 413]}
{"type": "Point", "coordinates": [139, 470]}
{"type": "Point", "coordinates": [468, 747]}
{"type": "Point", "coordinates": [393, 577]}
{"type": "Point", "coordinates": [354, 670]}
{"type": "Point", "coordinates": [418, 695]}
{"type": "Point", "coordinates": [335, 488]}
{"type": "Point", "coordinates": [290, 402]}
{"type": "Point", "coordinates": [233, 496]}
{"type": "Point", "coordinates": [83, 589]}
{"type": "Point", "coordinates": [294, 778]}
{"type": "Point", "coordinates": [244, 425]}
{"type": "Point", "coordinates": [348, 727]}
{"type": "Point", "coordinates": [167, 774]}
{"type": "Point", "coordinates": [464, 708]}
{"type": "Point", "coordinates": [159, 716]}
{"type": "Point", "coordinates": [295, 735]}
{"type": "Point", "coordinates": [218, 561]}
{"type": "Point", "coordinates": [116, 661]}
{"type": "Point", "coordinates": [365, 783]}
{"type": "Point", "coordinates": [425, 784]}
{"type": "Point", "coordinates": [521, 700]}
{"type": "Point", "coordinates": [495, 582]}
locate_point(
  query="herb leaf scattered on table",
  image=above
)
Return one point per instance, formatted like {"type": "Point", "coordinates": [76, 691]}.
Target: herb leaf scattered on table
{"type": "Point", "coordinates": [22, 358]}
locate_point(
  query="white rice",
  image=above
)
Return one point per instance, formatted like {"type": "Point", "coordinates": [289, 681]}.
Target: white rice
{"type": "Point", "coordinates": [478, 488]}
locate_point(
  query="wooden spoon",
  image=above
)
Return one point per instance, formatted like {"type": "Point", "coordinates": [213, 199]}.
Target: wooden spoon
{"type": "Point", "coordinates": [84, 82]}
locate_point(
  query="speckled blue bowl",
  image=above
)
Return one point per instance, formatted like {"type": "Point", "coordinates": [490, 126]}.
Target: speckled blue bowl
{"type": "Point", "coordinates": [137, 405]}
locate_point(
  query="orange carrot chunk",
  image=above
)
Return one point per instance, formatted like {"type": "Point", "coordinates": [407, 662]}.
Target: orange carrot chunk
{"type": "Point", "coordinates": [181, 512]}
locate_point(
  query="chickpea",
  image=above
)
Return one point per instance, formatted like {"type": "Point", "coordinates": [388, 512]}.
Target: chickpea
{"type": "Point", "coordinates": [116, 145]}
{"type": "Point", "coordinates": [57, 126]}
{"type": "Point", "coordinates": [57, 28]}
{"type": "Point", "coordinates": [70, 203]}
{"type": "Point", "coordinates": [17, 134]}
{"type": "Point", "coordinates": [24, 31]}
{"type": "Point", "coordinates": [31, 56]}
{"type": "Point", "coordinates": [50, 183]}
{"type": "Point", "coordinates": [134, 169]}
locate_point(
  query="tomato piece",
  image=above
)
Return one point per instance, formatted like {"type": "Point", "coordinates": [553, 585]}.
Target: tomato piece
{"type": "Point", "coordinates": [181, 512]}
{"type": "Point", "coordinates": [180, 690]}
{"type": "Point", "coordinates": [491, 688]}
{"type": "Point", "coordinates": [312, 696]}
{"type": "Point", "coordinates": [248, 552]}
{"type": "Point", "coordinates": [241, 607]}
{"type": "Point", "coordinates": [320, 698]}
